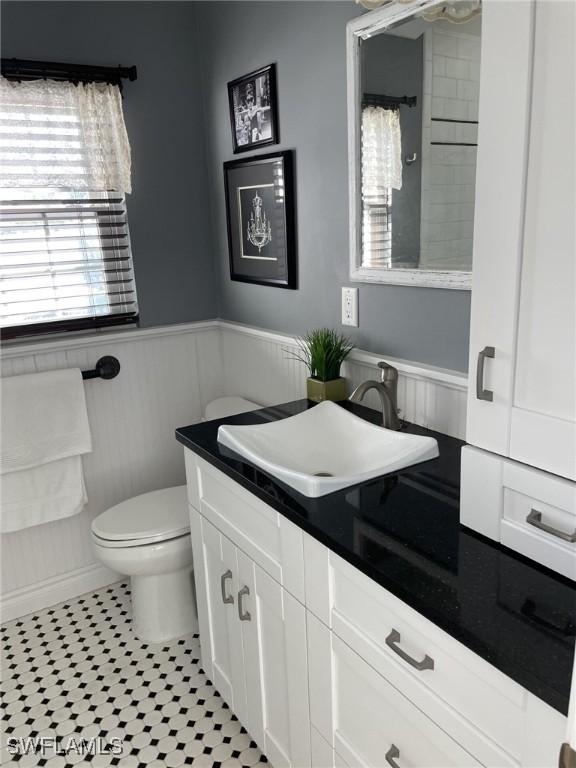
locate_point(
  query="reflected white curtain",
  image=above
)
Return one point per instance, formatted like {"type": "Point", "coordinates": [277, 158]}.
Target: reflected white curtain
{"type": "Point", "coordinates": [57, 134]}
{"type": "Point", "coordinates": [381, 172]}
{"type": "Point", "coordinates": [381, 150]}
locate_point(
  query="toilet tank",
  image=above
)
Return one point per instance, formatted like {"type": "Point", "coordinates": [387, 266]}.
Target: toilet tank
{"type": "Point", "coordinates": [228, 406]}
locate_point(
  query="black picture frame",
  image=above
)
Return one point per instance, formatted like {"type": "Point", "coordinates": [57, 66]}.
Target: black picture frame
{"type": "Point", "coordinates": [260, 115]}
{"type": "Point", "coordinates": [260, 215]}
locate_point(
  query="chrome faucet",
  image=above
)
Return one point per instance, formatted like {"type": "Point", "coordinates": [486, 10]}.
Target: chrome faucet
{"type": "Point", "coordinates": [387, 391]}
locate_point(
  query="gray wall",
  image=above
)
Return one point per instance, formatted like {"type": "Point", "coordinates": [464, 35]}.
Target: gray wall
{"type": "Point", "coordinates": [178, 149]}
{"type": "Point", "coordinates": [394, 66]}
{"type": "Point", "coordinates": [168, 210]}
{"type": "Point", "coordinates": [307, 41]}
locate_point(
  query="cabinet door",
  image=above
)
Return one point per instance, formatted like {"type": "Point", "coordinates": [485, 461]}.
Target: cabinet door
{"type": "Point", "coordinates": [543, 419]}
{"type": "Point", "coordinates": [368, 722]}
{"type": "Point", "coordinates": [274, 640]}
{"type": "Point", "coordinates": [215, 566]}
{"type": "Point", "coordinates": [506, 52]}
{"type": "Point", "coordinates": [522, 400]}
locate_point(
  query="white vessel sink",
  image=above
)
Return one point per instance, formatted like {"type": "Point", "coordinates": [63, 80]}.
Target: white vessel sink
{"type": "Point", "coordinates": [326, 448]}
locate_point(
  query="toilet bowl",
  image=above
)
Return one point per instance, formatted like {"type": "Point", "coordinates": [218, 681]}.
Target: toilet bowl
{"type": "Point", "coordinates": [147, 538]}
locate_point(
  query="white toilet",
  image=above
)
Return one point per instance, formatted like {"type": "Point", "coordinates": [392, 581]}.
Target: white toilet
{"type": "Point", "coordinates": [147, 538]}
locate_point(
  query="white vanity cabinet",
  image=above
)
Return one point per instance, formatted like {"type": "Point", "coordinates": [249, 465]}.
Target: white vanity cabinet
{"type": "Point", "coordinates": [327, 669]}
{"type": "Point", "coordinates": [368, 721]}
{"type": "Point", "coordinates": [522, 397]}
{"type": "Point", "coordinates": [360, 719]}
{"type": "Point", "coordinates": [252, 630]}
{"type": "Point", "coordinates": [217, 587]}
{"type": "Point", "coordinates": [530, 511]}
{"type": "Point", "coordinates": [366, 649]}
{"type": "Point", "coordinates": [274, 643]}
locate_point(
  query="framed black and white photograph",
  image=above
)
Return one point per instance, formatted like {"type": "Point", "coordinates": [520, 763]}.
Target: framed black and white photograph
{"type": "Point", "coordinates": [260, 214]}
{"type": "Point", "coordinates": [253, 109]}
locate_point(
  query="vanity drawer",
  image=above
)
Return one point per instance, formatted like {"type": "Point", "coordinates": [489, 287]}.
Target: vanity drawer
{"type": "Point", "coordinates": [367, 721]}
{"type": "Point", "coordinates": [481, 708]}
{"type": "Point", "coordinates": [528, 510]}
{"type": "Point", "coordinates": [268, 538]}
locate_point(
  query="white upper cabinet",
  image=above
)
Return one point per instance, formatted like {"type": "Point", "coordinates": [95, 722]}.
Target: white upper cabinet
{"type": "Point", "coordinates": [522, 398]}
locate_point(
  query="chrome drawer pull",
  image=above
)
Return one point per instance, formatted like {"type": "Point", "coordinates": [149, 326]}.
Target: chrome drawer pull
{"type": "Point", "coordinates": [242, 614]}
{"type": "Point", "coordinates": [391, 756]}
{"type": "Point", "coordinates": [223, 579]}
{"type": "Point", "coordinates": [481, 393]}
{"type": "Point", "coordinates": [535, 519]}
{"type": "Point", "coordinates": [392, 642]}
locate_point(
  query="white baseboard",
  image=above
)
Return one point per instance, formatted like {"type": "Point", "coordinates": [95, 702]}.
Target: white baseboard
{"type": "Point", "coordinates": [57, 589]}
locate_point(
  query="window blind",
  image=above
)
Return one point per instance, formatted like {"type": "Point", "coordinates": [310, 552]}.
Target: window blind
{"type": "Point", "coordinates": [381, 171]}
{"type": "Point", "coordinates": [65, 261]}
{"type": "Point", "coordinates": [377, 229]}
{"type": "Point", "coordinates": [65, 258]}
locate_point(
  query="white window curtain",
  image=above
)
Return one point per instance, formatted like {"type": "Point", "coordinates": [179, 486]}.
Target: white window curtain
{"type": "Point", "coordinates": [57, 134]}
{"type": "Point", "coordinates": [381, 150]}
{"type": "Point", "coordinates": [381, 172]}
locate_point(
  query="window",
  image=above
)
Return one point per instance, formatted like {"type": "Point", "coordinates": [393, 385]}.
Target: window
{"type": "Point", "coordinates": [381, 171]}
{"type": "Point", "coordinates": [377, 228]}
{"type": "Point", "coordinates": [65, 257]}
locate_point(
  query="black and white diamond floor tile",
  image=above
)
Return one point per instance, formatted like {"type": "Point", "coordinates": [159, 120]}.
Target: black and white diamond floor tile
{"type": "Point", "coordinates": [75, 673]}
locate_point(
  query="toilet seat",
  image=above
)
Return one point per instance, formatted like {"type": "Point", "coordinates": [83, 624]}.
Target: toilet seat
{"type": "Point", "coordinates": [146, 519]}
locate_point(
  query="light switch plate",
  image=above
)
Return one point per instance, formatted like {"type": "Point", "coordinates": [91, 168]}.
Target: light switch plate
{"type": "Point", "coordinates": [350, 306]}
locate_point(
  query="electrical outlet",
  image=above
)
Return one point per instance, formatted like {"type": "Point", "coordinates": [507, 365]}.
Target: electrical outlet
{"type": "Point", "coordinates": [350, 306]}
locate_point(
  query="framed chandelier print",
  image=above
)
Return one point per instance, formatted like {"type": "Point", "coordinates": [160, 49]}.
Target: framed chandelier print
{"type": "Point", "coordinates": [253, 110]}
{"type": "Point", "coordinates": [260, 215]}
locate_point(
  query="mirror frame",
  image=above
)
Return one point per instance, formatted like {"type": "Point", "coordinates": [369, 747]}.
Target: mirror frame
{"type": "Point", "coordinates": [359, 29]}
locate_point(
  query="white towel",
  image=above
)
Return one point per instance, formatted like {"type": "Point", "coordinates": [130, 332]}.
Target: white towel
{"type": "Point", "coordinates": [45, 430]}
{"type": "Point", "coordinates": [44, 418]}
{"type": "Point", "coordinates": [42, 494]}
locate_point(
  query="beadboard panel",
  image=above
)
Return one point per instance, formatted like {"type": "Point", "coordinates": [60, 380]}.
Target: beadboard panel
{"type": "Point", "coordinates": [166, 379]}
{"type": "Point", "coordinates": [259, 365]}
{"type": "Point", "coordinates": [168, 376]}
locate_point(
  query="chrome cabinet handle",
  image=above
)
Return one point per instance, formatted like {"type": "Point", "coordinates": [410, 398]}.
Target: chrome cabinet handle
{"type": "Point", "coordinates": [481, 393]}
{"type": "Point", "coordinates": [242, 614]}
{"type": "Point", "coordinates": [391, 756]}
{"type": "Point", "coordinates": [223, 579]}
{"type": "Point", "coordinates": [535, 519]}
{"type": "Point", "coordinates": [392, 642]}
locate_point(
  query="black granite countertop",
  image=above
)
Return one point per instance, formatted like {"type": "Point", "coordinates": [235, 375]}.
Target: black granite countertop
{"type": "Point", "coordinates": [403, 531]}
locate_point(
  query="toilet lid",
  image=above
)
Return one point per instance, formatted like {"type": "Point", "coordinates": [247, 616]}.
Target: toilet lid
{"type": "Point", "coordinates": [154, 516]}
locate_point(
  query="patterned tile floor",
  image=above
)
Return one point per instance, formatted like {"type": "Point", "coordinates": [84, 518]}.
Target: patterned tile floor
{"type": "Point", "coordinates": [75, 673]}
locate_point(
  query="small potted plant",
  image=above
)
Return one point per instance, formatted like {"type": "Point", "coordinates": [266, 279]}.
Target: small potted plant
{"type": "Point", "coordinates": [323, 351]}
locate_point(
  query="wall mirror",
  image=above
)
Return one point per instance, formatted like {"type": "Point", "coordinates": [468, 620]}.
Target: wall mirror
{"type": "Point", "coordinates": [413, 82]}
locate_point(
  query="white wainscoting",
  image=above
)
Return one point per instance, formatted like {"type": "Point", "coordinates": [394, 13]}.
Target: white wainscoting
{"type": "Point", "coordinates": [258, 365]}
{"type": "Point", "coordinates": [168, 376]}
